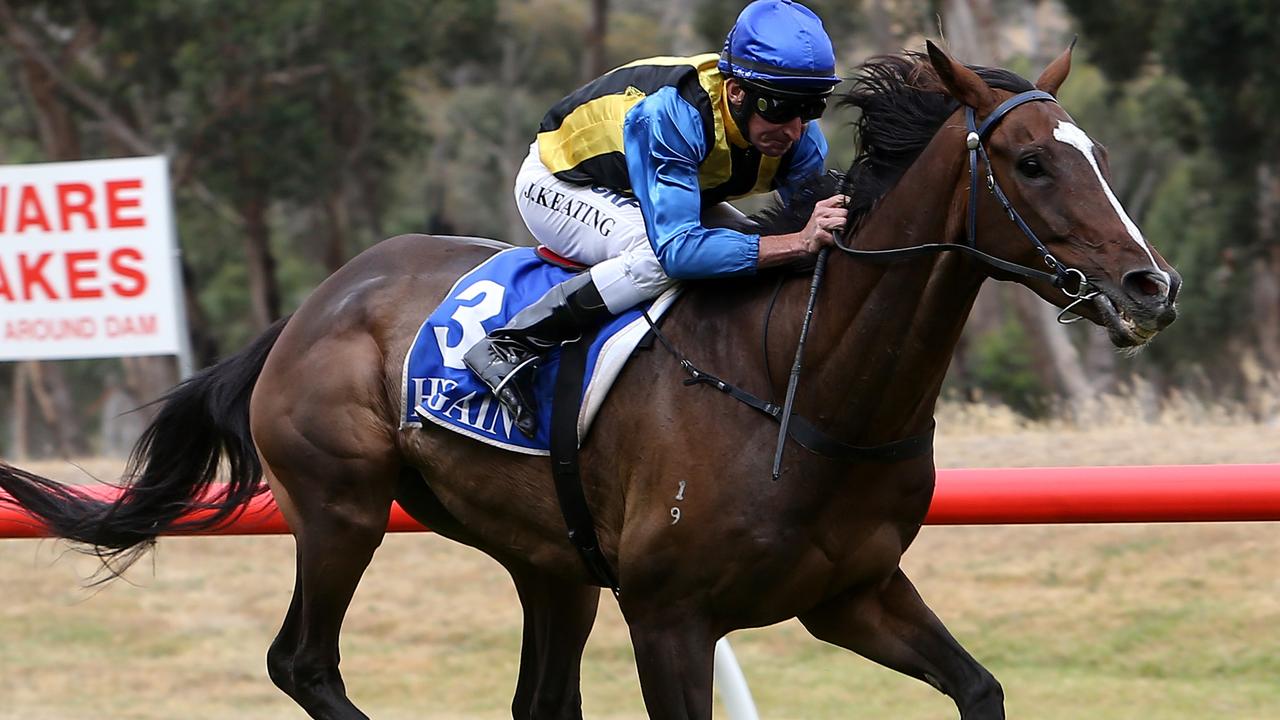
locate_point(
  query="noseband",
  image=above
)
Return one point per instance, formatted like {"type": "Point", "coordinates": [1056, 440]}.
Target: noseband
{"type": "Point", "coordinates": [1070, 281]}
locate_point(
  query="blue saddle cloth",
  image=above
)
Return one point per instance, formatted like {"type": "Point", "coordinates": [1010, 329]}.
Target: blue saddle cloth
{"type": "Point", "coordinates": [439, 388]}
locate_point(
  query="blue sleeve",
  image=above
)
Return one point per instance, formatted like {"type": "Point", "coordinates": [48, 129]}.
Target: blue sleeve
{"type": "Point", "coordinates": [664, 142]}
{"type": "Point", "coordinates": [810, 159]}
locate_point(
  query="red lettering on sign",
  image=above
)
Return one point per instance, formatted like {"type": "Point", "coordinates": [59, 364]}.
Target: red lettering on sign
{"type": "Point", "coordinates": [84, 328]}
{"type": "Point", "coordinates": [30, 211]}
{"type": "Point", "coordinates": [73, 275]}
{"type": "Point", "coordinates": [123, 325]}
{"type": "Point", "coordinates": [76, 199]}
{"type": "Point", "coordinates": [116, 203]}
{"type": "Point", "coordinates": [131, 272]}
{"type": "Point", "coordinates": [33, 274]}
{"type": "Point", "coordinates": [72, 205]}
{"type": "Point", "coordinates": [76, 274]}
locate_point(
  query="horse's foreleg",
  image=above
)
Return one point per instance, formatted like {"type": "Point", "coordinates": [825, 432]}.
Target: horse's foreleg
{"type": "Point", "coordinates": [891, 625]}
{"type": "Point", "coordinates": [558, 617]}
{"type": "Point", "coordinates": [676, 663]}
{"type": "Point", "coordinates": [338, 523]}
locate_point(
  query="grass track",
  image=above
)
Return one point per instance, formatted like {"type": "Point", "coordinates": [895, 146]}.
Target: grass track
{"type": "Point", "coordinates": [1103, 622]}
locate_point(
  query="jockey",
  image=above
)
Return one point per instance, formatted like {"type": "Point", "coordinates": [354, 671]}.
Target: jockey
{"type": "Point", "coordinates": [628, 172]}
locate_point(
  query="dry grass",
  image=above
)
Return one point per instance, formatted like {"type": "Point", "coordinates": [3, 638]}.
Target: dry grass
{"type": "Point", "coordinates": [1147, 621]}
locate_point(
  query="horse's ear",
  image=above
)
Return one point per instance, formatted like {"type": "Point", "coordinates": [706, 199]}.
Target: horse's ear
{"type": "Point", "coordinates": [1054, 75]}
{"type": "Point", "coordinates": [962, 83]}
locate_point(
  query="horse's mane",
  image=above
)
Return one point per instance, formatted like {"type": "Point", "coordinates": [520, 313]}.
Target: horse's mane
{"type": "Point", "coordinates": [901, 104]}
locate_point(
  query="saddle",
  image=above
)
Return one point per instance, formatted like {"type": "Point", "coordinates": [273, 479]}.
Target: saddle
{"type": "Point", "coordinates": [548, 255]}
{"type": "Point", "coordinates": [437, 388]}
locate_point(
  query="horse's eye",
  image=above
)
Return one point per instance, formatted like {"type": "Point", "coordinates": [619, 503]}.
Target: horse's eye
{"type": "Point", "coordinates": [1031, 167]}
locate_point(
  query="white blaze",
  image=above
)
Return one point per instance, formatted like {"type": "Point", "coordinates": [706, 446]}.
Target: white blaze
{"type": "Point", "coordinates": [1076, 138]}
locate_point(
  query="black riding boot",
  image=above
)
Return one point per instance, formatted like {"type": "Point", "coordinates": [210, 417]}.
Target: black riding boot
{"type": "Point", "coordinates": [503, 359]}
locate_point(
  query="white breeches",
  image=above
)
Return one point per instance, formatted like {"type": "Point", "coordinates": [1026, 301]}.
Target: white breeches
{"type": "Point", "coordinates": [594, 226]}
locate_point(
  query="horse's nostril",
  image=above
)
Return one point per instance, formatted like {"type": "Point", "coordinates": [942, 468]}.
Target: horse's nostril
{"type": "Point", "coordinates": [1176, 279]}
{"type": "Point", "coordinates": [1146, 285]}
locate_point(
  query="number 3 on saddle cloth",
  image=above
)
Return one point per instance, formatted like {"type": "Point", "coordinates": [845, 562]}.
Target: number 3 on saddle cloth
{"type": "Point", "coordinates": [438, 388]}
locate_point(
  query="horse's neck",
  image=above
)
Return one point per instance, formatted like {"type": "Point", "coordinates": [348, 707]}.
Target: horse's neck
{"type": "Point", "coordinates": [890, 330]}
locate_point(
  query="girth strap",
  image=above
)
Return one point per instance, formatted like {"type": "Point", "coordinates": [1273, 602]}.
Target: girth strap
{"type": "Point", "coordinates": [565, 406]}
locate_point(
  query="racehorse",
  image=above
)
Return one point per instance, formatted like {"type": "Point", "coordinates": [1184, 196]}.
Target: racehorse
{"type": "Point", "coordinates": [311, 410]}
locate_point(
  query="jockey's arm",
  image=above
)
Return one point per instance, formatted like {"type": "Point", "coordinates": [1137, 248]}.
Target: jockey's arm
{"type": "Point", "coordinates": [808, 161]}
{"type": "Point", "coordinates": [665, 143]}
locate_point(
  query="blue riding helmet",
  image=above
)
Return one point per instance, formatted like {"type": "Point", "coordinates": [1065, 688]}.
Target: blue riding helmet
{"type": "Point", "coordinates": [780, 46]}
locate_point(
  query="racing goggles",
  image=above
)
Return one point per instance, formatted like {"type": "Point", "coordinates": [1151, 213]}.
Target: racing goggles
{"type": "Point", "coordinates": [783, 108]}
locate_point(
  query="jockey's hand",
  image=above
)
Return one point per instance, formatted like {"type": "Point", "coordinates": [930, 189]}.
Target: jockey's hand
{"type": "Point", "coordinates": [828, 218]}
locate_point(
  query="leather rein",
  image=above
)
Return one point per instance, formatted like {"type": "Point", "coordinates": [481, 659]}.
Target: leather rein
{"type": "Point", "coordinates": [1071, 281]}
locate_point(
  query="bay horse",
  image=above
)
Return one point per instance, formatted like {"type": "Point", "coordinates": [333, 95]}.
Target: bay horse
{"type": "Point", "coordinates": [311, 410]}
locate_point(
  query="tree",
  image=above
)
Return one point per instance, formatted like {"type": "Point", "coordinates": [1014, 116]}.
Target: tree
{"type": "Point", "coordinates": [1223, 51]}
{"type": "Point", "coordinates": [270, 114]}
{"type": "Point", "coordinates": [59, 139]}
{"type": "Point", "coordinates": [1222, 120]}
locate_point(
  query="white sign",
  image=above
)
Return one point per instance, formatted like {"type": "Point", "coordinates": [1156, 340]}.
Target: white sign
{"type": "Point", "coordinates": [87, 264]}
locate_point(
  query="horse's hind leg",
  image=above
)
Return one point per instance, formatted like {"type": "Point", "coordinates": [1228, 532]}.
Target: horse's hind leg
{"type": "Point", "coordinates": [338, 523]}
{"type": "Point", "coordinates": [558, 616]}
{"type": "Point", "coordinates": [891, 625]}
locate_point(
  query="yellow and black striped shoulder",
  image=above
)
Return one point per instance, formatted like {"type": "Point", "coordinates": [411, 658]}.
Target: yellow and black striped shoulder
{"type": "Point", "coordinates": [580, 138]}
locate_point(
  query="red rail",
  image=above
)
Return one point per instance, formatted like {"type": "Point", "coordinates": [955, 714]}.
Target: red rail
{"type": "Point", "coordinates": [987, 496]}
{"type": "Point", "coordinates": [1138, 493]}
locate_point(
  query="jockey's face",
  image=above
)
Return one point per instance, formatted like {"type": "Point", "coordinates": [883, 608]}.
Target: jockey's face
{"type": "Point", "coordinates": [770, 138]}
{"type": "Point", "coordinates": [773, 139]}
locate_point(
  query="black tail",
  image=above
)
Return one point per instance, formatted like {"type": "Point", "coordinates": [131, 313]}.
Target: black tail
{"type": "Point", "coordinates": [172, 470]}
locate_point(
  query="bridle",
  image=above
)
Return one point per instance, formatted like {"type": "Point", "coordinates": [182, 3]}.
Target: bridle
{"type": "Point", "coordinates": [1083, 290]}
{"type": "Point", "coordinates": [1070, 281]}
